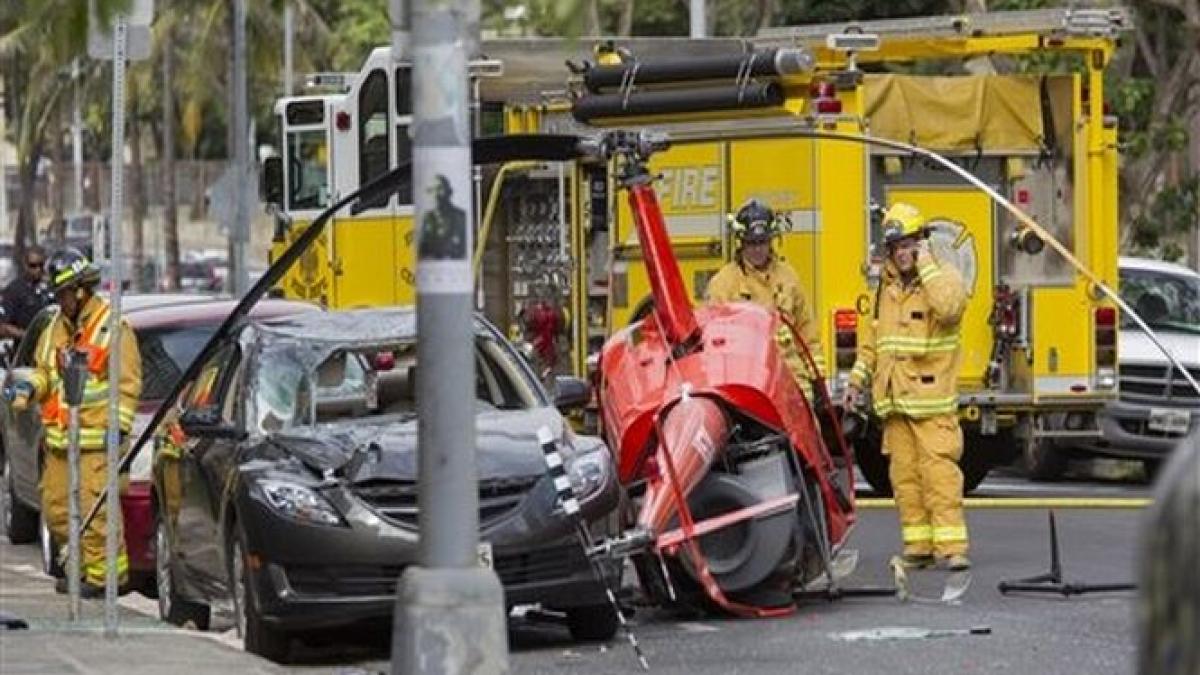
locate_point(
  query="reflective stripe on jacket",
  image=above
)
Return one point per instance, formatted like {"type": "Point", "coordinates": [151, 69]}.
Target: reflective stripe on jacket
{"type": "Point", "coordinates": [909, 354]}
{"type": "Point", "coordinates": [93, 339]}
{"type": "Point", "coordinates": [776, 287]}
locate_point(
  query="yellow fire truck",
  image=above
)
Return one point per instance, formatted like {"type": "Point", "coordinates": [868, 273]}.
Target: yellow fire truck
{"type": "Point", "coordinates": [1038, 344]}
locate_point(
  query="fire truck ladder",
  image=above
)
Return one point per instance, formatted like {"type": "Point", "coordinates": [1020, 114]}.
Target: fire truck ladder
{"type": "Point", "coordinates": [1093, 23]}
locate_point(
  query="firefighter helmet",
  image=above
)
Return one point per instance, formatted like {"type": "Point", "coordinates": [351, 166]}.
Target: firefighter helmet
{"type": "Point", "coordinates": [755, 222]}
{"type": "Point", "coordinates": [69, 268]}
{"type": "Point", "coordinates": [903, 221]}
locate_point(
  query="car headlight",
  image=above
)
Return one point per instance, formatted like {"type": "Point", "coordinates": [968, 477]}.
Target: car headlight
{"type": "Point", "coordinates": [298, 503]}
{"type": "Point", "coordinates": [587, 472]}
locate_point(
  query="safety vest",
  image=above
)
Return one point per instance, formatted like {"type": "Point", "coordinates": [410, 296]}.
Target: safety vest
{"type": "Point", "coordinates": [50, 360]}
{"type": "Point", "coordinates": [909, 354]}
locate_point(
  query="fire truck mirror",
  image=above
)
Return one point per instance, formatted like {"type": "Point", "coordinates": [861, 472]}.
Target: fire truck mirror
{"type": "Point", "coordinates": [271, 183]}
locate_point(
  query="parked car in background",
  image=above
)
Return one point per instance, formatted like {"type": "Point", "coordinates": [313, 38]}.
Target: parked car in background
{"type": "Point", "coordinates": [199, 277]}
{"type": "Point", "coordinates": [1157, 407]}
{"type": "Point", "coordinates": [78, 233]}
{"type": "Point", "coordinates": [171, 330]}
{"type": "Point", "coordinates": [294, 496]}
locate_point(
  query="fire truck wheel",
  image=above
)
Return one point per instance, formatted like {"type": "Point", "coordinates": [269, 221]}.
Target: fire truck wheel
{"type": "Point", "coordinates": [1043, 460]}
{"type": "Point", "coordinates": [975, 466]}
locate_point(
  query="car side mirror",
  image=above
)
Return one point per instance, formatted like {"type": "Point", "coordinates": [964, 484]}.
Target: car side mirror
{"type": "Point", "coordinates": [271, 183]}
{"type": "Point", "coordinates": [207, 423]}
{"type": "Point", "coordinates": [571, 393]}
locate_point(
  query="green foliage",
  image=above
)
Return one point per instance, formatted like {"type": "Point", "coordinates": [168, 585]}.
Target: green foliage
{"type": "Point", "coordinates": [1172, 212]}
{"type": "Point", "coordinates": [359, 26]}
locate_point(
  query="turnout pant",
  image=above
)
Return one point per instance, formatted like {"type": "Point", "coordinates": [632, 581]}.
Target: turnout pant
{"type": "Point", "coordinates": [93, 476]}
{"type": "Point", "coordinates": [927, 482]}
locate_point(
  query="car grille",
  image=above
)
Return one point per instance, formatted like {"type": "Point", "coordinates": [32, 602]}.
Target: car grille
{"type": "Point", "coordinates": [397, 500]}
{"type": "Point", "coordinates": [1150, 385]}
{"type": "Point", "coordinates": [529, 567]}
{"type": "Point", "coordinates": [1142, 428]}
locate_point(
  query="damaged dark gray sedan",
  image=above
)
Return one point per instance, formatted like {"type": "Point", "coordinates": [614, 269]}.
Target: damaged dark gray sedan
{"type": "Point", "coordinates": [286, 480]}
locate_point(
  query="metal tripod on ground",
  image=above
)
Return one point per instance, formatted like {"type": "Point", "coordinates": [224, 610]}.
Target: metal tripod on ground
{"type": "Point", "coordinates": [1052, 581]}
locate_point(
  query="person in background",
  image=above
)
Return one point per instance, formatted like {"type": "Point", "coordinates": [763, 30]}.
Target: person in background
{"type": "Point", "coordinates": [25, 295]}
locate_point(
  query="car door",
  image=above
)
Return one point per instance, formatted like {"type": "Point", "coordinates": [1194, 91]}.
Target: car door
{"type": "Point", "coordinates": [205, 465]}
{"type": "Point", "coordinates": [23, 430]}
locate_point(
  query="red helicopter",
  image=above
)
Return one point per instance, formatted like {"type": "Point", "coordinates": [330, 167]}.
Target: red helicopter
{"type": "Point", "coordinates": [742, 501]}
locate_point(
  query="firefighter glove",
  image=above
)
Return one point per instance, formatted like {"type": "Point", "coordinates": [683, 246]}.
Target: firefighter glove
{"type": "Point", "coordinates": [19, 395]}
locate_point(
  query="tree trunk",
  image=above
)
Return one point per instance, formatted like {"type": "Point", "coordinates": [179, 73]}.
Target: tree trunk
{"type": "Point", "coordinates": [26, 230]}
{"type": "Point", "coordinates": [170, 206]}
{"type": "Point", "coordinates": [625, 24]}
{"type": "Point", "coordinates": [766, 15]}
{"type": "Point", "coordinates": [591, 18]}
{"type": "Point", "coordinates": [137, 191]}
{"type": "Point", "coordinates": [58, 195]}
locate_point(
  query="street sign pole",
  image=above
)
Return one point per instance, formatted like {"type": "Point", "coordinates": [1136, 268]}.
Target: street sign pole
{"type": "Point", "coordinates": [697, 19]}
{"type": "Point", "coordinates": [449, 609]}
{"type": "Point", "coordinates": [240, 231]}
{"type": "Point", "coordinates": [116, 262]}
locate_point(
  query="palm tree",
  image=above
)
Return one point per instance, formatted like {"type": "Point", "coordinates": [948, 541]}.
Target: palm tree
{"type": "Point", "coordinates": [38, 39]}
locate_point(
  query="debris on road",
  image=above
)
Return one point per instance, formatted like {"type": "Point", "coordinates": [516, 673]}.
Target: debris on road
{"type": "Point", "coordinates": [892, 633]}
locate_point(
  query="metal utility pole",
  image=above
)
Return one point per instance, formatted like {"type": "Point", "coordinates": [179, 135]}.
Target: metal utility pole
{"type": "Point", "coordinates": [239, 232]}
{"type": "Point", "coordinates": [449, 609]}
{"type": "Point", "coordinates": [112, 507]}
{"type": "Point", "coordinates": [401, 30]}
{"type": "Point", "coordinates": [697, 19]}
{"type": "Point", "coordinates": [289, 36]}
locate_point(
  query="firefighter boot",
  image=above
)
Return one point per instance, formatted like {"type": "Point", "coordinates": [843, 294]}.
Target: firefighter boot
{"type": "Point", "coordinates": [917, 561]}
{"type": "Point", "coordinates": [957, 562]}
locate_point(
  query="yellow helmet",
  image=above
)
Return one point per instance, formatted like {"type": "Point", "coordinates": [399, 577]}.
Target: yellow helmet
{"type": "Point", "coordinates": [902, 221]}
{"type": "Point", "coordinates": [608, 54]}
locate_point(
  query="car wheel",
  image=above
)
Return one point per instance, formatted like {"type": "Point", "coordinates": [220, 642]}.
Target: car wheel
{"type": "Point", "coordinates": [172, 607]}
{"type": "Point", "coordinates": [1043, 460]}
{"type": "Point", "coordinates": [592, 623]}
{"type": "Point", "coordinates": [20, 521]}
{"type": "Point", "coordinates": [260, 638]}
{"type": "Point", "coordinates": [50, 547]}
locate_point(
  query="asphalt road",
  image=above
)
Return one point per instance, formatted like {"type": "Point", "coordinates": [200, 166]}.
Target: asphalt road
{"type": "Point", "coordinates": [1033, 634]}
{"type": "Point", "coordinates": [1050, 635]}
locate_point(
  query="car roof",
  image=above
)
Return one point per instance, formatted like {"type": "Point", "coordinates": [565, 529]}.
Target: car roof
{"type": "Point", "coordinates": [136, 302]}
{"type": "Point", "coordinates": [368, 325]}
{"type": "Point", "coordinates": [213, 311]}
{"type": "Point", "coordinates": [1152, 265]}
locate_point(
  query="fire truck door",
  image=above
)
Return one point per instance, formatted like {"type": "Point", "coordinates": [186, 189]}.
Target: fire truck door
{"type": "Point", "coordinates": [962, 222]}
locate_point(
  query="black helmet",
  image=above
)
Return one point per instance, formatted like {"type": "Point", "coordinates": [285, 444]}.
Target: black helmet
{"type": "Point", "coordinates": [69, 268]}
{"type": "Point", "coordinates": [755, 222]}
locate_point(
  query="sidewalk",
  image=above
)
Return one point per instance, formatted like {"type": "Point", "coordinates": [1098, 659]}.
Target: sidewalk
{"type": "Point", "coordinates": [53, 645]}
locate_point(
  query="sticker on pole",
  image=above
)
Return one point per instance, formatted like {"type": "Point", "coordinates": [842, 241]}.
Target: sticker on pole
{"type": "Point", "coordinates": [486, 559]}
{"type": "Point", "coordinates": [444, 239]}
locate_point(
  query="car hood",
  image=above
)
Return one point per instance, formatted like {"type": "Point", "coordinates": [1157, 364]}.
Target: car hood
{"type": "Point", "coordinates": [1137, 348]}
{"type": "Point", "coordinates": [506, 441]}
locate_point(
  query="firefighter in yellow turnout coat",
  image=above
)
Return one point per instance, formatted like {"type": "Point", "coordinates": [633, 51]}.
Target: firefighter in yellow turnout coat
{"type": "Point", "coordinates": [81, 324]}
{"type": "Point", "coordinates": [760, 276]}
{"type": "Point", "coordinates": [910, 358]}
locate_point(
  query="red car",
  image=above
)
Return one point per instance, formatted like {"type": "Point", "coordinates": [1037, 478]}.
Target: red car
{"type": "Point", "coordinates": [171, 330]}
